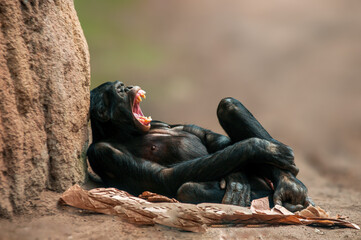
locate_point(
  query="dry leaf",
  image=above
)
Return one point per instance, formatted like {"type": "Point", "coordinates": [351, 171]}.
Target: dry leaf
{"type": "Point", "coordinates": [154, 197]}
{"type": "Point", "coordinates": [191, 217]}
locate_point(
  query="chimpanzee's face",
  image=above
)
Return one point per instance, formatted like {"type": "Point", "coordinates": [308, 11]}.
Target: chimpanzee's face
{"type": "Point", "coordinates": [113, 102]}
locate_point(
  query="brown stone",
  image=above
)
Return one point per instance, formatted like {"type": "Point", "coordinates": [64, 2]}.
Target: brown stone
{"type": "Point", "coordinates": [44, 100]}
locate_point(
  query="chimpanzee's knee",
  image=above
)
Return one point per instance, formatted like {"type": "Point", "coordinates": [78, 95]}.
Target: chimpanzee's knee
{"type": "Point", "coordinates": [234, 118]}
{"type": "Point", "coordinates": [238, 122]}
{"type": "Point", "coordinates": [192, 192]}
{"type": "Point", "coordinates": [187, 192]}
{"type": "Point", "coordinates": [228, 107]}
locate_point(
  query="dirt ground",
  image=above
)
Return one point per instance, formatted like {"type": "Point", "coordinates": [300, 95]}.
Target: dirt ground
{"type": "Point", "coordinates": [295, 65]}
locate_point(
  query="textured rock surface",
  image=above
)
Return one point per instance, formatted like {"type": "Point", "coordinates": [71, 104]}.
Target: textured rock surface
{"type": "Point", "coordinates": [44, 92]}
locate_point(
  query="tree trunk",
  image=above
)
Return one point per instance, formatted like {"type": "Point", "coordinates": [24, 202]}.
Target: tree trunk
{"type": "Point", "coordinates": [44, 100]}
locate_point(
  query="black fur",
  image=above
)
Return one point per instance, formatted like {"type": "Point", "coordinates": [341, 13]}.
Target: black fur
{"type": "Point", "coordinates": [187, 161]}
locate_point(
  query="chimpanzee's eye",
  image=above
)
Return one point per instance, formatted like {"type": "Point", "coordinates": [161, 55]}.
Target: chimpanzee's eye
{"type": "Point", "coordinates": [120, 88]}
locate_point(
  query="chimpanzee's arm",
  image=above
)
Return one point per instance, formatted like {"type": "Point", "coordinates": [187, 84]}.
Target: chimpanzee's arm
{"type": "Point", "coordinates": [213, 141]}
{"type": "Point", "coordinates": [116, 166]}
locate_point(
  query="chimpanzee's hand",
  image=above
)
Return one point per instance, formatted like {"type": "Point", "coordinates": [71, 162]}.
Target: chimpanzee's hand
{"type": "Point", "coordinates": [291, 193]}
{"type": "Point", "coordinates": [276, 154]}
{"type": "Point", "coordinates": [238, 190]}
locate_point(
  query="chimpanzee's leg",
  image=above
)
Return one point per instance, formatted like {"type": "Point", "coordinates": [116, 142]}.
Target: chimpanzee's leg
{"type": "Point", "coordinates": [193, 192]}
{"type": "Point", "coordinates": [238, 122]}
{"type": "Point", "coordinates": [249, 188]}
{"type": "Point", "coordinates": [214, 192]}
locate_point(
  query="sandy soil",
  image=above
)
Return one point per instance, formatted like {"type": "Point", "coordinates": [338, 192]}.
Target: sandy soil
{"type": "Point", "coordinates": [296, 66]}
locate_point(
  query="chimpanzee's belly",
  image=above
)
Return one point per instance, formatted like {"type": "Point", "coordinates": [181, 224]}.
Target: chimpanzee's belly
{"type": "Point", "coordinates": [167, 146]}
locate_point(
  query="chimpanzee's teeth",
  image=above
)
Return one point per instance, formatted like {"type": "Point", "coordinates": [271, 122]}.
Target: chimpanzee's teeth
{"type": "Point", "coordinates": [140, 95]}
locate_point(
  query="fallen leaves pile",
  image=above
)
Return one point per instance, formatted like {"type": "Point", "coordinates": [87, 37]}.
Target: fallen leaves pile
{"type": "Point", "coordinates": [150, 208]}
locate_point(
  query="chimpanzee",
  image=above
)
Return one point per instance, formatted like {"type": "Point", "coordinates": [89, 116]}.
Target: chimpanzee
{"type": "Point", "coordinates": [192, 164]}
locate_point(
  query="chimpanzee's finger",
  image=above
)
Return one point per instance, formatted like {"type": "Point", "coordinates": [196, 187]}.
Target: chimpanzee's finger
{"type": "Point", "coordinates": [236, 193]}
{"type": "Point", "coordinates": [292, 207]}
{"type": "Point", "coordinates": [230, 188]}
{"type": "Point", "coordinates": [277, 198]}
{"type": "Point", "coordinates": [227, 197]}
{"type": "Point", "coordinates": [308, 202]}
{"type": "Point", "coordinates": [280, 163]}
{"type": "Point", "coordinates": [245, 196]}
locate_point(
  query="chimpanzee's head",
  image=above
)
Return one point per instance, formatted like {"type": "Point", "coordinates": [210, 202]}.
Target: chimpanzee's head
{"type": "Point", "coordinates": [114, 109]}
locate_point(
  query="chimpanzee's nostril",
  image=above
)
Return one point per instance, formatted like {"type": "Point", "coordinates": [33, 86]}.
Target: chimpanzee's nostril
{"type": "Point", "coordinates": [128, 88]}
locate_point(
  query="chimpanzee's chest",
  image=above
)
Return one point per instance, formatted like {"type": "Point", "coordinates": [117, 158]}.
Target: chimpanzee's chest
{"type": "Point", "coordinates": [167, 146]}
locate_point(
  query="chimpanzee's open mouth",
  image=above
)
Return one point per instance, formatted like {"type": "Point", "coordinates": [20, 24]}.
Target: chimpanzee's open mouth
{"type": "Point", "coordinates": [137, 112]}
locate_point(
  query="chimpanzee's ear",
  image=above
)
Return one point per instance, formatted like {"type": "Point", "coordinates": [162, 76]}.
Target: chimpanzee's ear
{"type": "Point", "coordinates": [103, 114]}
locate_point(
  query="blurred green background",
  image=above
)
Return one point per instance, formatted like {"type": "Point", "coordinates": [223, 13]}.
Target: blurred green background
{"type": "Point", "coordinates": [295, 64]}
{"type": "Point", "coordinates": [116, 47]}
